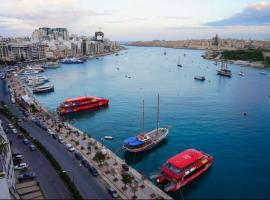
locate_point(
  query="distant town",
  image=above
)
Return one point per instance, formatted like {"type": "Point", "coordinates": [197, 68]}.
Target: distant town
{"type": "Point", "coordinates": [53, 44]}
{"type": "Point", "coordinates": [254, 53]}
{"type": "Point", "coordinates": [215, 43]}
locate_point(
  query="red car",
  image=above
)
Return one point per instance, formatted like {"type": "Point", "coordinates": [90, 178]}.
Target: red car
{"type": "Point", "coordinates": [20, 136]}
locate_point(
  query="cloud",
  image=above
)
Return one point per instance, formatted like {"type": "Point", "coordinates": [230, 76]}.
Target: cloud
{"type": "Point", "coordinates": [255, 14]}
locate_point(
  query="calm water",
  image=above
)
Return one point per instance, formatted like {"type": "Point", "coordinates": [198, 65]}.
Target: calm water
{"type": "Point", "coordinates": [204, 115]}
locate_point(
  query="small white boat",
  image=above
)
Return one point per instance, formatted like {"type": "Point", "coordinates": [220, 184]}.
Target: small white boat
{"type": "Point", "coordinates": [179, 62]}
{"type": "Point", "coordinates": [42, 89]}
{"type": "Point", "coordinates": [241, 73]}
{"type": "Point", "coordinates": [107, 137]}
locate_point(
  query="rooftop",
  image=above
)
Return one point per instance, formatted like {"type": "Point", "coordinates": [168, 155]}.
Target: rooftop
{"type": "Point", "coordinates": [185, 158]}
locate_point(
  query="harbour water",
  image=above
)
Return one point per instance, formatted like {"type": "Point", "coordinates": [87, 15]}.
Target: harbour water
{"type": "Point", "coordinates": [204, 115]}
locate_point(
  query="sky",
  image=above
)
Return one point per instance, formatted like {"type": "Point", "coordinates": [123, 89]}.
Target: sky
{"type": "Point", "coordinates": [125, 20]}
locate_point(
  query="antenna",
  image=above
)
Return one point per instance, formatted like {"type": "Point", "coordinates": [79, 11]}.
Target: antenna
{"type": "Point", "coordinates": [158, 113]}
{"type": "Point", "coordinates": [143, 116]}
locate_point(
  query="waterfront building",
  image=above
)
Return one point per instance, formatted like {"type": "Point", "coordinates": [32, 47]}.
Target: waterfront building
{"type": "Point", "coordinates": [7, 176]}
{"type": "Point", "coordinates": [4, 52]}
{"type": "Point", "coordinates": [20, 52]}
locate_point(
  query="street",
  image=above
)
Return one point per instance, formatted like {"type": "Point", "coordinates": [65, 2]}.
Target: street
{"type": "Point", "coordinates": [52, 186]}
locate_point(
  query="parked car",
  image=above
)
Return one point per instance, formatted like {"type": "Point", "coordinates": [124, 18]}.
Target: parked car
{"type": "Point", "coordinates": [20, 136]}
{"type": "Point", "coordinates": [50, 131]}
{"type": "Point", "coordinates": [14, 130]}
{"type": "Point", "coordinates": [55, 136]}
{"type": "Point", "coordinates": [21, 166]}
{"type": "Point", "coordinates": [18, 156]}
{"type": "Point", "coordinates": [92, 170]}
{"type": "Point", "coordinates": [60, 140]}
{"type": "Point", "coordinates": [32, 147]}
{"type": "Point", "coordinates": [113, 192]}
{"type": "Point", "coordinates": [26, 176]}
{"type": "Point", "coordinates": [25, 141]}
{"type": "Point", "coordinates": [85, 163]}
{"type": "Point", "coordinates": [15, 154]}
{"type": "Point", "coordinates": [78, 156]}
{"type": "Point", "coordinates": [10, 126]}
{"type": "Point", "coordinates": [17, 161]}
{"type": "Point", "coordinates": [70, 147]}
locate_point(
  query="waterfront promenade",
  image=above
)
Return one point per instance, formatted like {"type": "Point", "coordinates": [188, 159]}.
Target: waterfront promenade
{"type": "Point", "coordinates": [110, 169]}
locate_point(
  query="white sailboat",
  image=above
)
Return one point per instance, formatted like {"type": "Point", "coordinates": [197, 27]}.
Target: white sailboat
{"type": "Point", "coordinates": [145, 141]}
{"type": "Point", "coordinates": [179, 62]}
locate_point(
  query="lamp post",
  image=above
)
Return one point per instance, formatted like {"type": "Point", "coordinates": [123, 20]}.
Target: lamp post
{"type": "Point", "coordinates": [72, 172]}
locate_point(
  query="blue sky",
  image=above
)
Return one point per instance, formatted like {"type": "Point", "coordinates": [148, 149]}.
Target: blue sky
{"type": "Point", "coordinates": [140, 19]}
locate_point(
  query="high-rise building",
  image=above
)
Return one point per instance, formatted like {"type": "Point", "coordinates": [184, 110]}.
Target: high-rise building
{"type": "Point", "coordinates": [46, 33]}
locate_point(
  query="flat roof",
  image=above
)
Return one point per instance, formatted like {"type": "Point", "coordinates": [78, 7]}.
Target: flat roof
{"type": "Point", "coordinates": [78, 98]}
{"type": "Point", "coordinates": [185, 158]}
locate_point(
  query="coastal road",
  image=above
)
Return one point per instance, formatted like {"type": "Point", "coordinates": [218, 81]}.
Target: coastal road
{"type": "Point", "coordinates": [90, 187]}
{"type": "Point", "coordinates": [52, 185]}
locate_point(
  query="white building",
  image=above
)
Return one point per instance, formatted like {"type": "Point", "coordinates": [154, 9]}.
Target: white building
{"type": "Point", "coordinates": [7, 177]}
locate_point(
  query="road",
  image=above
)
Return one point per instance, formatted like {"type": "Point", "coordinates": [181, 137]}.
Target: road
{"type": "Point", "coordinates": [90, 187]}
{"type": "Point", "coordinates": [52, 185]}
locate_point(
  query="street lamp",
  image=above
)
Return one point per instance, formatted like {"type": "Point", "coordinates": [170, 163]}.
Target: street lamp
{"type": "Point", "coordinates": [72, 172]}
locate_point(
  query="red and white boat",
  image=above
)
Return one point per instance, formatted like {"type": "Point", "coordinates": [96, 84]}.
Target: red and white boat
{"type": "Point", "coordinates": [77, 104]}
{"type": "Point", "coordinates": [183, 168]}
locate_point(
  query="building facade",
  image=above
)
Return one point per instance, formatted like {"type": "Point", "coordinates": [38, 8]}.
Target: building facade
{"type": "Point", "coordinates": [7, 175]}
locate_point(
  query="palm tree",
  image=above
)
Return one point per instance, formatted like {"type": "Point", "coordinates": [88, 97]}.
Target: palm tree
{"type": "Point", "coordinates": [126, 179]}
{"type": "Point", "coordinates": [2, 146]}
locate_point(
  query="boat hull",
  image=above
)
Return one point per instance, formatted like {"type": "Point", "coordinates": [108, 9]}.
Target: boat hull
{"type": "Point", "coordinates": [43, 90]}
{"type": "Point", "coordinates": [79, 108]}
{"type": "Point", "coordinates": [188, 175]}
{"type": "Point", "coordinates": [150, 145]}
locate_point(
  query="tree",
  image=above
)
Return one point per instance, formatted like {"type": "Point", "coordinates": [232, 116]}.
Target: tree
{"type": "Point", "coordinates": [126, 179]}
{"type": "Point", "coordinates": [99, 157]}
{"type": "Point", "coordinates": [2, 146]}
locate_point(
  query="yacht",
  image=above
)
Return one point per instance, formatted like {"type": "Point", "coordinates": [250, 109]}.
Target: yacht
{"type": "Point", "coordinates": [145, 141]}
{"type": "Point", "coordinates": [43, 89]}
{"type": "Point", "coordinates": [224, 71]}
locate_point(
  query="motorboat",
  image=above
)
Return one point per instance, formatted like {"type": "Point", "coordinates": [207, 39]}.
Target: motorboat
{"type": "Point", "coordinates": [81, 103]}
{"type": "Point", "coordinates": [43, 89]}
{"type": "Point", "coordinates": [72, 61]}
{"type": "Point", "coordinates": [183, 168]}
{"type": "Point", "coordinates": [199, 78]}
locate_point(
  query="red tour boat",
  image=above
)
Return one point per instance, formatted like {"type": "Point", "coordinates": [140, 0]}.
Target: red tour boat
{"type": "Point", "coordinates": [183, 168]}
{"type": "Point", "coordinates": [81, 103]}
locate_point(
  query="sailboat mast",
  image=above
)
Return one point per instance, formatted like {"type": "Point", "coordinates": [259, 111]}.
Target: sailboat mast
{"type": "Point", "coordinates": [158, 114]}
{"type": "Point", "coordinates": [143, 116]}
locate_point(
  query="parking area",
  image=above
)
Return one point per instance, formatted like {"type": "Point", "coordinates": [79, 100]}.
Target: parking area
{"type": "Point", "coordinates": [37, 179]}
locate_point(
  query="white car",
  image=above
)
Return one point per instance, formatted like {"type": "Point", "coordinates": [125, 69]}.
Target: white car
{"type": "Point", "coordinates": [60, 140]}
{"type": "Point", "coordinates": [21, 166]}
{"type": "Point", "coordinates": [19, 156]}
{"type": "Point", "coordinates": [10, 126]}
{"type": "Point", "coordinates": [14, 130]}
{"type": "Point", "coordinates": [70, 147]}
{"type": "Point", "coordinates": [50, 132]}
